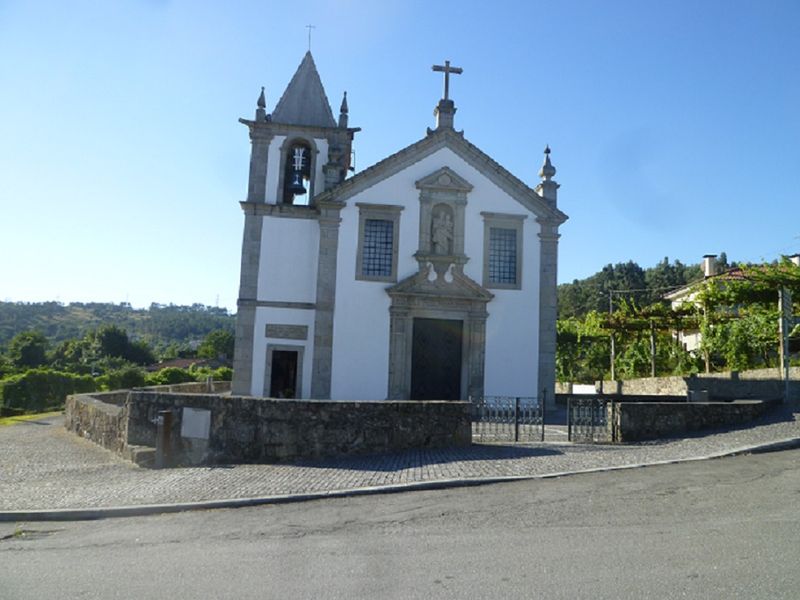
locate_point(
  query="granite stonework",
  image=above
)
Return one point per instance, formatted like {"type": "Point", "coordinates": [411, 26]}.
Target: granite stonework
{"type": "Point", "coordinates": [763, 384]}
{"type": "Point", "coordinates": [757, 384]}
{"type": "Point", "coordinates": [99, 417]}
{"type": "Point", "coordinates": [245, 429]}
{"type": "Point", "coordinates": [637, 421]}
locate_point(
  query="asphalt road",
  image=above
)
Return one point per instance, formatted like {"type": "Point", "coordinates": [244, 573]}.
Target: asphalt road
{"type": "Point", "coordinates": [727, 528]}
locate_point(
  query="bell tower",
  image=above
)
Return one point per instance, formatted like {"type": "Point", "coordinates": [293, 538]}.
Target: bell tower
{"type": "Point", "coordinates": [297, 152]}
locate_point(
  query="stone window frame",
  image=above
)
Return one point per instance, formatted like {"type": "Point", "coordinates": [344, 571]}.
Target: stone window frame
{"type": "Point", "coordinates": [378, 212]}
{"type": "Point", "coordinates": [502, 221]}
{"type": "Point", "coordinates": [284, 153]}
{"type": "Point", "coordinates": [300, 349]}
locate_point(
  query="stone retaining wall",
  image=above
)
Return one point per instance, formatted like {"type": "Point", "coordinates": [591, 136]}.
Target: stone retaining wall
{"type": "Point", "coordinates": [215, 428]}
{"type": "Point", "coordinates": [244, 429]}
{"type": "Point", "coordinates": [730, 385]}
{"type": "Point", "coordinates": [194, 387]}
{"type": "Point", "coordinates": [99, 417]}
{"type": "Point", "coordinates": [631, 422]}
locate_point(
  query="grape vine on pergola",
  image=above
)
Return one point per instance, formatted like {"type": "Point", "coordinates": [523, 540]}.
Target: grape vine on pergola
{"type": "Point", "coordinates": [715, 302]}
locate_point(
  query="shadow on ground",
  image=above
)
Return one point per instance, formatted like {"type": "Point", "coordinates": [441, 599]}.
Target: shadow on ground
{"type": "Point", "coordinates": [412, 459]}
{"type": "Point", "coordinates": [17, 421]}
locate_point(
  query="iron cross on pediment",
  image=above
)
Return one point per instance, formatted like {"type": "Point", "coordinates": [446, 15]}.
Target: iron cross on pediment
{"type": "Point", "coordinates": [447, 69]}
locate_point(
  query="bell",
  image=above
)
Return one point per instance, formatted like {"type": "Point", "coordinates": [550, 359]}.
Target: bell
{"type": "Point", "coordinates": [296, 187]}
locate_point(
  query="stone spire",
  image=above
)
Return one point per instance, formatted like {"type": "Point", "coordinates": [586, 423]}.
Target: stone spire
{"type": "Point", "coordinates": [261, 112]}
{"type": "Point", "coordinates": [548, 188]}
{"type": "Point", "coordinates": [304, 102]}
{"type": "Point", "coordinates": [343, 113]}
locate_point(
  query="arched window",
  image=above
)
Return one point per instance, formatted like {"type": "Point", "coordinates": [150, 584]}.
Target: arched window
{"type": "Point", "coordinates": [297, 174]}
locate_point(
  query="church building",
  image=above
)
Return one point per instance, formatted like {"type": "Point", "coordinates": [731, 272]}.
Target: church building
{"type": "Point", "coordinates": [429, 275]}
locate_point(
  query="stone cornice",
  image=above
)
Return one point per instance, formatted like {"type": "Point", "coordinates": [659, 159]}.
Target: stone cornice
{"type": "Point", "coordinates": [250, 302]}
{"type": "Point", "coordinates": [456, 142]}
{"type": "Point", "coordinates": [286, 211]}
{"type": "Point", "coordinates": [272, 128]}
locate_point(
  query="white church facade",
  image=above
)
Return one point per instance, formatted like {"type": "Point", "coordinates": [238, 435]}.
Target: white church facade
{"type": "Point", "coordinates": [429, 275]}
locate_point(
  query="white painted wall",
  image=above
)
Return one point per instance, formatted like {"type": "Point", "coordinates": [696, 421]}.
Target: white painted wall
{"type": "Point", "coordinates": [361, 318]}
{"type": "Point", "coordinates": [289, 256]}
{"type": "Point", "coordinates": [281, 316]}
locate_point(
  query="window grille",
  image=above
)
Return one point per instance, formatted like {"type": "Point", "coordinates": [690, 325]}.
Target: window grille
{"type": "Point", "coordinates": [377, 258]}
{"type": "Point", "coordinates": [502, 255]}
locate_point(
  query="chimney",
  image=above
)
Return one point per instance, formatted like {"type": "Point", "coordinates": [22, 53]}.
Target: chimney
{"type": "Point", "coordinates": [709, 265]}
{"type": "Point", "coordinates": [795, 258]}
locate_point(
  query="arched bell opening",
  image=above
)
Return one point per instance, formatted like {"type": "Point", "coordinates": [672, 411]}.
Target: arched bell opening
{"type": "Point", "coordinates": [297, 184]}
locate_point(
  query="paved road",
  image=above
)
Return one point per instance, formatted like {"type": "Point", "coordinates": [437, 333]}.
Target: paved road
{"type": "Point", "coordinates": [45, 467]}
{"type": "Point", "coordinates": [726, 528]}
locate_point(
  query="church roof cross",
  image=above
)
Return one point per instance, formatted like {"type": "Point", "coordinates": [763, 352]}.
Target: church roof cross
{"type": "Point", "coordinates": [310, 27]}
{"type": "Point", "coordinates": [447, 69]}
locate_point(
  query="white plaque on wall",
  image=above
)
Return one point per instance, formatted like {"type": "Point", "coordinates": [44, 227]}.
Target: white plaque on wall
{"type": "Point", "coordinates": [195, 423]}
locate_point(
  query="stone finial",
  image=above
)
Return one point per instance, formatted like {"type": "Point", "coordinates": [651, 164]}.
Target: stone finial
{"type": "Point", "coordinates": [261, 112]}
{"type": "Point", "coordinates": [548, 188]}
{"type": "Point", "coordinates": [548, 170]}
{"type": "Point", "coordinates": [343, 112]}
{"type": "Point", "coordinates": [444, 113]}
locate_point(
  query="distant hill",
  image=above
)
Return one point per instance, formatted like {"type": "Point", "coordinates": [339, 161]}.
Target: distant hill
{"type": "Point", "coordinates": [159, 325]}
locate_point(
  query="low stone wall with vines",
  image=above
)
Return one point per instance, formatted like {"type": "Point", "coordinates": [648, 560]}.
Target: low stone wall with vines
{"type": "Point", "coordinates": [760, 384]}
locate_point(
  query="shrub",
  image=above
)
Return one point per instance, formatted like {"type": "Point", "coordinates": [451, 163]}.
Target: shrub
{"type": "Point", "coordinates": [124, 378]}
{"type": "Point", "coordinates": [222, 374]}
{"type": "Point", "coordinates": [170, 376]}
{"type": "Point", "coordinates": [36, 390]}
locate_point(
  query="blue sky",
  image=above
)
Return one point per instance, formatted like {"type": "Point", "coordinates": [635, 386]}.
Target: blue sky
{"type": "Point", "coordinates": [674, 126]}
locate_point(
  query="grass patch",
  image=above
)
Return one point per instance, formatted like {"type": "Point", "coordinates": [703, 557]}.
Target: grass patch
{"type": "Point", "coordinates": [23, 418]}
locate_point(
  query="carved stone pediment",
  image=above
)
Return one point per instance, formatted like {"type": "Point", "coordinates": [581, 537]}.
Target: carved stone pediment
{"type": "Point", "coordinates": [435, 283]}
{"type": "Point", "coordinates": [444, 180]}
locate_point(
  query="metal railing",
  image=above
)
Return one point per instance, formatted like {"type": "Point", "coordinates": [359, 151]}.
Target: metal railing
{"type": "Point", "coordinates": [507, 419]}
{"type": "Point", "coordinates": [587, 420]}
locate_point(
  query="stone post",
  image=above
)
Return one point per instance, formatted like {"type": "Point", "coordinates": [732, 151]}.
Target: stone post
{"type": "Point", "coordinates": [548, 309]}
{"type": "Point", "coordinates": [259, 149]}
{"type": "Point", "coordinates": [477, 355]}
{"type": "Point", "coordinates": [400, 328]}
{"type": "Point", "coordinates": [321, 370]}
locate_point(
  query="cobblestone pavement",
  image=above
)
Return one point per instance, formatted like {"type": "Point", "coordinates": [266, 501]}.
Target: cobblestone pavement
{"type": "Point", "coordinates": [42, 466]}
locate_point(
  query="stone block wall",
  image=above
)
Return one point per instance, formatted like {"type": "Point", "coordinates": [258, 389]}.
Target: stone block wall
{"type": "Point", "coordinates": [99, 417]}
{"type": "Point", "coordinates": [631, 422]}
{"type": "Point", "coordinates": [761, 384]}
{"type": "Point", "coordinates": [194, 387]}
{"type": "Point", "coordinates": [245, 429]}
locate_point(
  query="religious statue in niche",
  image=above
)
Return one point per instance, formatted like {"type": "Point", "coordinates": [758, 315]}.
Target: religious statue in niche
{"type": "Point", "coordinates": [442, 233]}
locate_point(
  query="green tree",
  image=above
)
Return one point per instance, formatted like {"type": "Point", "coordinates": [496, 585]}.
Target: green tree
{"type": "Point", "coordinates": [113, 342]}
{"type": "Point", "coordinates": [28, 350]}
{"type": "Point", "coordinates": [217, 344]}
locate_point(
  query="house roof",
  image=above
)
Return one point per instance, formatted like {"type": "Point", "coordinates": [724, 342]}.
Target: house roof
{"type": "Point", "coordinates": [304, 102]}
{"type": "Point", "coordinates": [734, 274]}
{"type": "Point", "coordinates": [436, 140]}
{"type": "Point", "coordinates": [183, 363]}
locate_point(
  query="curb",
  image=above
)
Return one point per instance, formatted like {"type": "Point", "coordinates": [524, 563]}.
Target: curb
{"type": "Point", "coordinates": [88, 514]}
